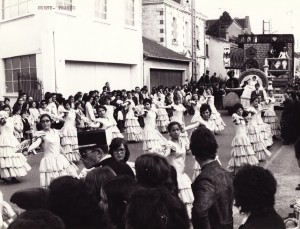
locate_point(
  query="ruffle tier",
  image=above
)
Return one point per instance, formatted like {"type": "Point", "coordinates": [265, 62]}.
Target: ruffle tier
{"type": "Point", "coordinates": [239, 161]}
{"type": "Point", "coordinates": [262, 154]}
{"type": "Point", "coordinates": [73, 156]}
{"type": "Point", "coordinates": [132, 137]}
{"type": "Point", "coordinates": [8, 141]}
{"type": "Point", "coordinates": [14, 165]}
{"type": "Point", "coordinates": [133, 130]}
{"type": "Point", "coordinates": [152, 140]}
{"type": "Point", "coordinates": [185, 191]}
{"type": "Point", "coordinates": [218, 121]}
{"type": "Point", "coordinates": [54, 166]}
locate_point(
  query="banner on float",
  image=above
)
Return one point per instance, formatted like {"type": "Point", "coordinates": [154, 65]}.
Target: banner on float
{"type": "Point", "coordinates": [226, 56]}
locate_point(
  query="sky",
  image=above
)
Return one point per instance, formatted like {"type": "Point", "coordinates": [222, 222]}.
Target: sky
{"type": "Point", "coordinates": [284, 15]}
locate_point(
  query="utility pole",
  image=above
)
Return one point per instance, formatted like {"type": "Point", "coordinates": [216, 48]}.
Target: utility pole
{"type": "Point", "coordinates": [194, 48]}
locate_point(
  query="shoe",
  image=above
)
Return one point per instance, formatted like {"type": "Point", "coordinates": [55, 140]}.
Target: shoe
{"type": "Point", "coordinates": [297, 188]}
{"type": "Point", "coordinates": [5, 181]}
{"type": "Point", "coordinates": [14, 180]}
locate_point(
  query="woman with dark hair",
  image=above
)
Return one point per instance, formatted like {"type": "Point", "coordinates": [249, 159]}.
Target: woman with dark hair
{"type": "Point", "coordinates": [254, 192]}
{"type": "Point", "coordinates": [73, 201]}
{"type": "Point", "coordinates": [254, 131]}
{"type": "Point", "coordinates": [96, 178]}
{"type": "Point", "coordinates": [117, 193]}
{"type": "Point", "coordinates": [154, 142]}
{"type": "Point", "coordinates": [153, 171]}
{"type": "Point", "coordinates": [156, 208]}
{"type": "Point", "coordinates": [69, 141]}
{"type": "Point", "coordinates": [54, 164]}
{"type": "Point", "coordinates": [19, 103]}
{"type": "Point", "coordinates": [242, 152]}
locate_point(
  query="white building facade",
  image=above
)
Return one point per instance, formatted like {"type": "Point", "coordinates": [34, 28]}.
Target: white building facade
{"type": "Point", "coordinates": [168, 22]}
{"type": "Point", "coordinates": [70, 45]}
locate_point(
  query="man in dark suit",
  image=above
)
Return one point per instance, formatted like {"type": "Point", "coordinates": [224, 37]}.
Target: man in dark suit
{"type": "Point", "coordinates": [93, 156]}
{"type": "Point", "coordinates": [257, 92]}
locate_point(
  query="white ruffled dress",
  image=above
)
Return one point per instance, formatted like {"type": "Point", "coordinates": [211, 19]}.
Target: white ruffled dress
{"type": "Point", "coordinates": [133, 128]}
{"type": "Point", "coordinates": [178, 110]}
{"type": "Point", "coordinates": [69, 140]}
{"type": "Point", "coordinates": [215, 115]}
{"type": "Point", "coordinates": [115, 132]}
{"type": "Point", "coordinates": [255, 136]}
{"type": "Point", "coordinates": [242, 152]}
{"type": "Point", "coordinates": [176, 154]}
{"type": "Point", "coordinates": [154, 142]}
{"type": "Point", "coordinates": [53, 164]}
{"type": "Point", "coordinates": [12, 164]}
{"type": "Point", "coordinates": [162, 120]}
{"type": "Point", "coordinates": [271, 118]}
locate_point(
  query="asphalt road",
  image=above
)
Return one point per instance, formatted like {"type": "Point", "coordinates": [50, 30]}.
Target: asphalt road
{"type": "Point", "coordinates": [283, 166]}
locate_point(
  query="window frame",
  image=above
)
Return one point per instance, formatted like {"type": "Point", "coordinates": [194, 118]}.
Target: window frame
{"type": "Point", "coordinates": [102, 4]}
{"type": "Point", "coordinates": [6, 9]}
{"type": "Point", "coordinates": [130, 9]}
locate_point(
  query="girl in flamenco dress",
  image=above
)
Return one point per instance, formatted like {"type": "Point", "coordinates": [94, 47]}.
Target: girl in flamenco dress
{"type": "Point", "coordinates": [197, 103]}
{"type": "Point", "coordinates": [176, 155]}
{"type": "Point", "coordinates": [54, 163]}
{"type": "Point", "coordinates": [254, 131]}
{"type": "Point", "coordinates": [215, 115]}
{"type": "Point", "coordinates": [133, 128]}
{"type": "Point", "coordinates": [270, 116]}
{"type": "Point", "coordinates": [12, 164]}
{"type": "Point", "coordinates": [242, 152]}
{"type": "Point", "coordinates": [115, 132]}
{"type": "Point", "coordinates": [154, 142]}
{"type": "Point", "coordinates": [162, 120]}
{"type": "Point", "coordinates": [69, 140]}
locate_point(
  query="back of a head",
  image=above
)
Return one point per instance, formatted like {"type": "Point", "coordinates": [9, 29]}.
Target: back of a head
{"type": "Point", "coordinates": [203, 144]}
{"type": "Point", "coordinates": [152, 171]}
{"type": "Point", "coordinates": [254, 190]}
{"type": "Point", "coordinates": [73, 201]}
{"type": "Point", "coordinates": [156, 208]}
{"type": "Point", "coordinates": [37, 219]}
{"type": "Point", "coordinates": [97, 177]}
{"type": "Point", "coordinates": [118, 191]}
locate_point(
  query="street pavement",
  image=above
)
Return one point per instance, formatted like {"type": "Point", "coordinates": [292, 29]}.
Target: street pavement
{"type": "Point", "coordinates": [282, 163]}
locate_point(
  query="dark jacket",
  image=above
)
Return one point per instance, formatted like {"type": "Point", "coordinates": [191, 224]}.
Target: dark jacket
{"type": "Point", "coordinates": [120, 168]}
{"type": "Point", "coordinates": [213, 192]}
{"type": "Point", "coordinates": [254, 94]}
{"type": "Point", "coordinates": [269, 221]}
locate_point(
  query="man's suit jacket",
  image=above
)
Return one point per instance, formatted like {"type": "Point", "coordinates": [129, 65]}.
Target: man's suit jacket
{"type": "Point", "coordinates": [255, 94]}
{"type": "Point", "coordinates": [120, 168]}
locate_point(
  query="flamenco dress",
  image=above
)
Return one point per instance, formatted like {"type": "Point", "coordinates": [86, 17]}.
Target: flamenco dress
{"type": "Point", "coordinates": [271, 118]}
{"type": "Point", "coordinates": [215, 115]}
{"type": "Point", "coordinates": [133, 128]}
{"type": "Point", "coordinates": [115, 132]}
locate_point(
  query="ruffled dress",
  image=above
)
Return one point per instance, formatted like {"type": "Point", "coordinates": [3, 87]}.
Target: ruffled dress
{"type": "Point", "coordinates": [12, 164]}
{"type": "Point", "coordinates": [178, 110]}
{"type": "Point", "coordinates": [271, 118]}
{"type": "Point", "coordinates": [255, 136]}
{"type": "Point", "coordinates": [35, 114]}
{"type": "Point", "coordinates": [176, 154]}
{"type": "Point", "coordinates": [53, 164]}
{"type": "Point", "coordinates": [133, 128]}
{"type": "Point", "coordinates": [242, 152]}
{"type": "Point", "coordinates": [197, 107]}
{"type": "Point", "coordinates": [115, 132]}
{"type": "Point", "coordinates": [265, 128]}
{"type": "Point", "coordinates": [162, 120]}
{"type": "Point", "coordinates": [215, 115]}
{"type": "Point", "coordinates": [154, 142]}
{"type": "Point", "coordinates": [69, 140]}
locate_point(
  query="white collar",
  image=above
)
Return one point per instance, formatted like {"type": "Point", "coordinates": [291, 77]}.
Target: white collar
{"type": "Point", "coordinates": [105, 157]}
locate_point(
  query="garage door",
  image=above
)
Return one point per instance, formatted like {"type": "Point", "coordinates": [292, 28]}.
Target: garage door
{"type": "Point", "coordinates": [167, 78]}
{"type": "Point", "coordinates": [84, 76]}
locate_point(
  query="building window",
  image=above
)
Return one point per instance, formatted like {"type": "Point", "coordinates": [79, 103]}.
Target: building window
{"type": "Point", "coordinates": [206, 50]}
{"type": "Point", "coordinates": [129, 12]}
{"type": "Point", "coordinates": [14, 8]}
{"type": "Point", "coordinates": [161, 22]}
{"type": "Point", "coordinates": [161, 13]}
{"type": "Point", "coordinates": [162, 39]}
{"type": "Point", "coordinates": [187, 34]}
{"type": "Point", "coordinates": [197, 37]}
{"type": "Point", "coordinates": [64, 5]}
{"type": "Point", "coordinates": [174, 32]}
{"type": "Point", "coordinates": [19, 69]}
{"type": "Point", "coordinates": [101, 9]}
{"type": "Point", "coordinates": [161, 30]}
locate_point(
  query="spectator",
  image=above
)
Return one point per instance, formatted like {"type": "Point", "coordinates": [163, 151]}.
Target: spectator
{"type": "Point", "coordinates": [254, 192]}
{"type": "Point", "coordinates": [213, 190]}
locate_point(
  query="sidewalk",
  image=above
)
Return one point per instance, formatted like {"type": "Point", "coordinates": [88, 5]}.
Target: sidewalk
{"type": "Point", "coordinates": [285, 169]}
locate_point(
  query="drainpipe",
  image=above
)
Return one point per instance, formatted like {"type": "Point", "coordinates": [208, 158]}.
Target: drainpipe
{"type": "Point", "coordinates": [54, 57]}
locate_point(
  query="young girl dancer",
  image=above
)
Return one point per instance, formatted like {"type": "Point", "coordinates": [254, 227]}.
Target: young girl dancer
{"type": "Point", "coordinates": [34, 113]}
{"type": "Point", "coordinates": [162, 120]}
{"type": "Point", "coordinates": [254, 131]}
{"type": "Point", "coordinates": [115, 132]}
{"type": "Point", "coordinates": [12, 164]}
{"type": "Point", "coordinates": [197, 103]}
{"type": "Point", "coordinates": [154, 142]}
{"type": "Point", "coordinates": [270, 116]}
{"type": "Point", "coordinates": [242, 152]}
{"type": "Point", "coordinates": [69, 141]}
{"type": "Point", "coordinates": [133, 128]}
{"type": "Point", "coordinates": [18, 131]}
{"type": "Point", "coordinates": [215, 115]}
{"type": "Point", "coordinates": [176, 154]}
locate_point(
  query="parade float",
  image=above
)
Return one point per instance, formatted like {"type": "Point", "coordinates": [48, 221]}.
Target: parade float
{"type": "Point", "coordinates": [268, 57]}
